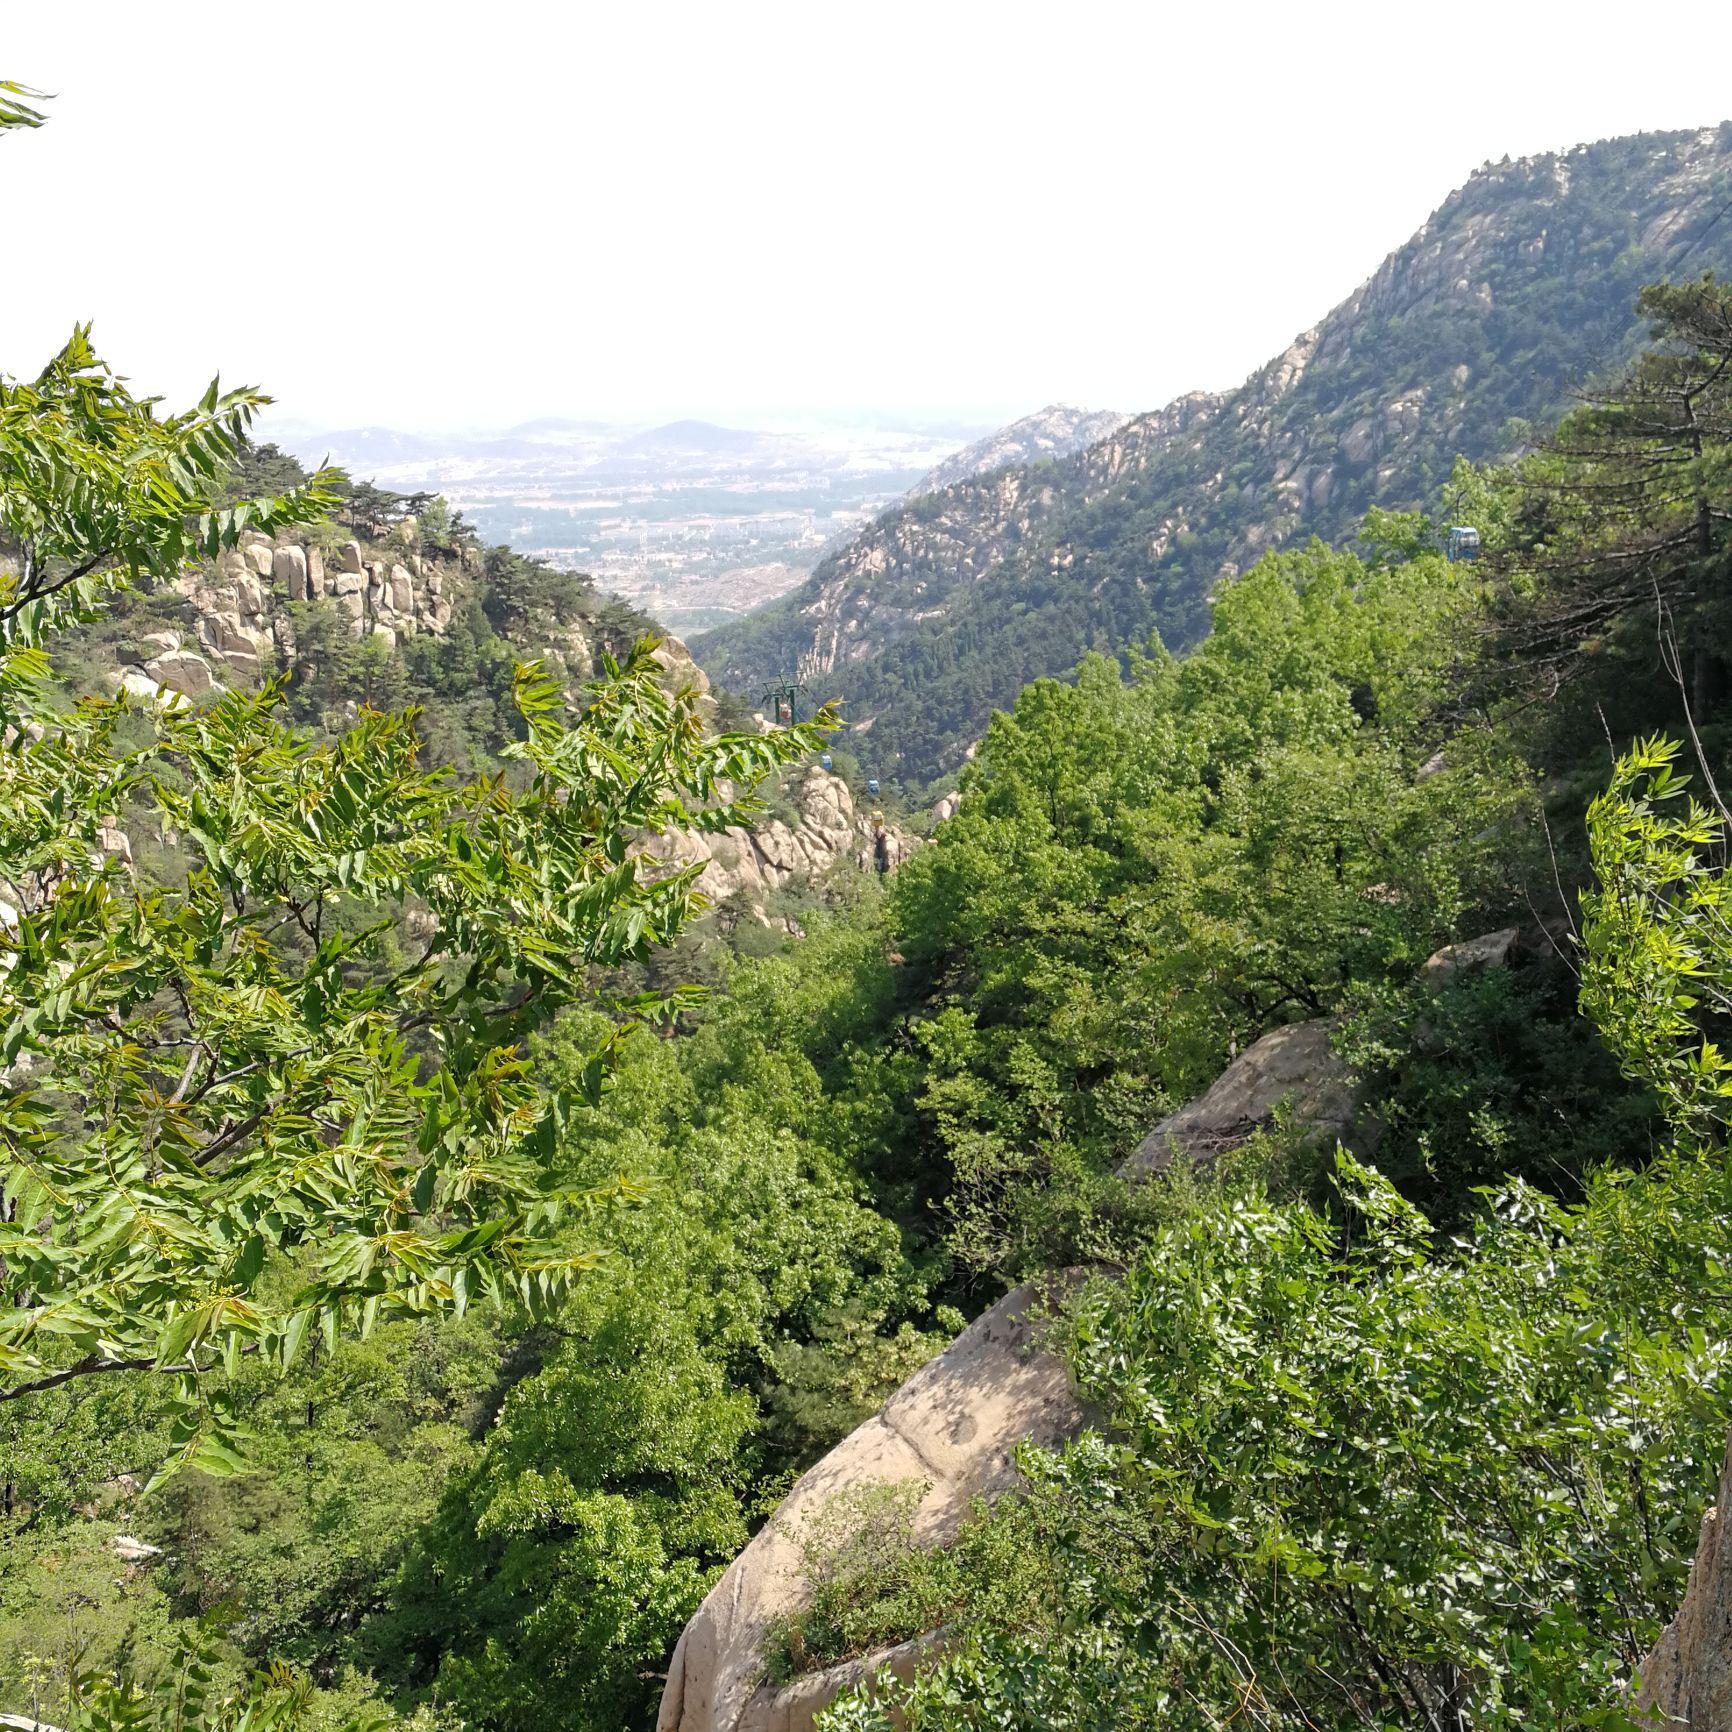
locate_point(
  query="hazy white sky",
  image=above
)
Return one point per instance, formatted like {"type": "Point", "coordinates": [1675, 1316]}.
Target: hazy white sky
{"type": "Point", "coordinates": [433, 214]}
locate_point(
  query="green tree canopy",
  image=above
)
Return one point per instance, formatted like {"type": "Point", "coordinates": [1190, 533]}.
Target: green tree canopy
{"type": "Point", "coordinates": [280, 1086]}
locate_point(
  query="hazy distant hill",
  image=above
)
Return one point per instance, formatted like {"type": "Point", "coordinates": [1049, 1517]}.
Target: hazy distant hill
{"type": "Point", "coordinates": [695, 522]}
{"type": "Point", "coordinates": [1055, 431]}
{"type": "Point", "coordinates": [1520, 285]}
{"type": "Point", "coordinates": [699, 439]}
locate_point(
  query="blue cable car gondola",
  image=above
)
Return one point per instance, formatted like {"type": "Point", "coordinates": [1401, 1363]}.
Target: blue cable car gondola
{"type": "Point", "coordinates": [824, 759]}
{"type": "Point", "coordinates": [872, 786]}
{"type": "Point", "coordinates": [1463, 543]}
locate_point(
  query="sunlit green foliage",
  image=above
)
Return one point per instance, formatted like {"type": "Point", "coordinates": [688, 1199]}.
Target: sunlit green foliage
{"type": "Point", "coordinates": [327, 1063]}
{"type": "Point", "coordinates": [1150, 869]}
{"type": "Point", "coordinates": [215, 1073]}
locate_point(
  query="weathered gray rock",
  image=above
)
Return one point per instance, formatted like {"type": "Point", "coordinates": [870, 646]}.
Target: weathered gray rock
{"type": "Point", "coordinates": [1490, 950]}
{"type": "Point", "coordinates": [132, 1550]}
{"type": "Point", "coordinates": [349, 556]}
{"type": "Point", "coordinates": [113, 843]}
{"type": "Point", "coordinates": [289, 571]}
{"type": "Point", "coordinates": [315, 572]}
{"type": "Point", "coordinates": [259, 555]}
{"type": "Point", "coordinates": [946, 807]}
{"type": "Point", "coordinates": [386, 636]}
{"type": "Point", "coordinates": [747, 865]}
{"type": "Point", "coordinates": [349, 581]}
{"type": "Point", "coordinates": [228, 636]}
{"type": "Point", "coordinates": [180, 670]}
{"type": "Point", "coordinates": [1687, 1680]}
{"type": "Point", "coordinates": [796, 1708]}
{"type": "Point", "coordinates": [136, 683]}
{"type": "Point", "coordinates": [673, 656]}
{"type": "Point", "coordinates": [953, 1428]}
{"type": "Point", "coordinates": [402, 591]}
{"type": "Point", "coordinates": [1293, 1066]}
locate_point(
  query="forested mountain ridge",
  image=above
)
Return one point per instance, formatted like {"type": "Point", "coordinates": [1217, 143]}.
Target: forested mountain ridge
{"type": "Point", "coordinates": [1517, 289]}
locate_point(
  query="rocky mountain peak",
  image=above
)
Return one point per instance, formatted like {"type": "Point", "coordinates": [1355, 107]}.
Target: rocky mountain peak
{"type": "Point", "coordinates": [1058, 430]}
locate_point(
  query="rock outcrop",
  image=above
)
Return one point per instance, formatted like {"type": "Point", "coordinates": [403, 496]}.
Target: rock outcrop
{"type": "Point", "coordinates": [1293, 1067]}
{"type": "Point", "coordinates": [237, 620]}
{"type": "Point", "coordinates": [1055, 431]}
{"type": "Point", "coordinates": [954, 1425]}
{"type": "Point", "coordinates": [748, 866]}
{"type": "Point", "coordinates": [1492, 950]}
{"type": "Point", "coordinates": [1687, 1680]}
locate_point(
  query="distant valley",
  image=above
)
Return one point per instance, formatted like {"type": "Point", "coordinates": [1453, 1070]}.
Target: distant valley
{"type": "Point", "coordinates": [694, 523]}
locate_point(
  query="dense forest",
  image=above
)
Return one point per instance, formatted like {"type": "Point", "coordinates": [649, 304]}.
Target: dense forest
{"type": "Point", "coordinates": [415, 1295]}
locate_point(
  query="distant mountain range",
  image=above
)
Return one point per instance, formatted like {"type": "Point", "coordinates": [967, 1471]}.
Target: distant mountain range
{"type": "Point", "coordinates": [1464, 340]}
{"type": "Point", "coordinates": [555, 452]}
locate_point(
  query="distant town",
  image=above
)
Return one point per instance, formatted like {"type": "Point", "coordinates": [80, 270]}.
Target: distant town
{"type": "Point", "coordinates": [692, 522]}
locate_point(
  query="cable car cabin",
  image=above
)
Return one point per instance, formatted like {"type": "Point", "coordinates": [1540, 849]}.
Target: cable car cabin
{"type": "Point", "coordinates": [824, 760]}
{"type": "Point", "coordinates": [783, 700]}
{"type": "Point", "coordinates": [1463, 542]}
{"type": "Point", "coordinates": [872, 786]}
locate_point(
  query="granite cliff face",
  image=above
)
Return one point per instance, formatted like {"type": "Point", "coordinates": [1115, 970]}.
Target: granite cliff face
{"type": "Point", "coordinates": [1055, 431]}
{"type": "Point", "coordinates": [237, 621]}
{"type": "Point", "coordinates": [236, 625]}
{"type": "Point", "coordinates": [823, 829]}
{"type": "Point", "coordinates": [1519, 287]}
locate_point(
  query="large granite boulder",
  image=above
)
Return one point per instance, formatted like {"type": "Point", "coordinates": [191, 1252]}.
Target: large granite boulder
{"type": "Point", "coordinates": [289, 570]}
{"type": "Point", "coordinates": [1293, 1066]}
{"type": "Point", "coordinates": [180, 670]}
{"type": "Point", "coordinates": [955, 1424]}
{"type": "Point", "coordinates": [136, 683]}
{"type": "Point", "coordinates": [1471, 956]}
{"type": "Point", "coordinates": [952, 1427]}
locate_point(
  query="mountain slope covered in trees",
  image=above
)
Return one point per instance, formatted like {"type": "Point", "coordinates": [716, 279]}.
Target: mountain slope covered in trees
{"type": "Point", "coordinates": [1518, 289]}
{"type": "Point", "coordinates": [411, 1304]}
